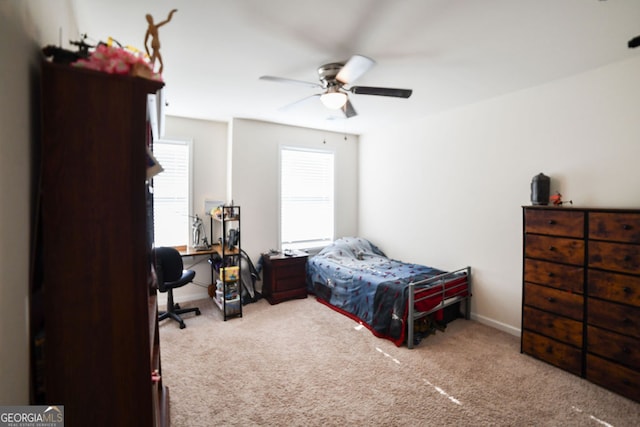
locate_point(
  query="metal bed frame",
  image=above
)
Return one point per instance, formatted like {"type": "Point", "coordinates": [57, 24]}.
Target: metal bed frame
{"type": "Point", "coordinates": [449, 295]}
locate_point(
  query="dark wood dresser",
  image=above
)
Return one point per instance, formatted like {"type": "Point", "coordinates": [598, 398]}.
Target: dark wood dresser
{"type": "Point", "coordinates": [581, 293]}
{"type": "Point", "coordinates": [284, 277]}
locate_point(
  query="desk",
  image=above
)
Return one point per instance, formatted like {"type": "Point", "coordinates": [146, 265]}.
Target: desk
{"type": "Point", "coordinates": [186, 251]}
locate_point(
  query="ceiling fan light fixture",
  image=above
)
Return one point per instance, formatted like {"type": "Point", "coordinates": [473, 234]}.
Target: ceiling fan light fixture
{"type": "Point", "coordinates": [336, 81]}
{"type": "Point", "coordinates": [334, 100]}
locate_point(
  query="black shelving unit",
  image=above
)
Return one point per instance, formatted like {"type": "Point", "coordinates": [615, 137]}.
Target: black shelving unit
{"type": "Point", "coordinates": [228, 295]}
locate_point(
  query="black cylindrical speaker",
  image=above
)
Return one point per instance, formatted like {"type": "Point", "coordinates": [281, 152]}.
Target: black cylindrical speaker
{"type": "Point", "coordinates": [540, 187]}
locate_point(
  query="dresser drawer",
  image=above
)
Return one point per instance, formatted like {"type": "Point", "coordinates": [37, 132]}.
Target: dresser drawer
{"type": "Point", "coordinates": [551, 351]}
{"type": "Point", "coordinates": [293, 269]}
{"type": "Point", "coordinates": [566, 277]}
{"type": "Point", "coordinates": [621, 348]}
{"type": "Point", "coordinates": [615, 317]}
{"type": "Point", "coordinates": [613, 376]}
{"type": "Point", "coordinates": [290, 283]}
{"type": "Point", "coordinates": [556, 222]}
{"type": "Point", "coordinates": [559, 249]}
{"type": "Point", "coordinates": [617, 227]}
{"type": "Point", "coordinates": [556, 301]}
{"type": "Point", "coordinates": [614, 287]}
{"type": "Point", "coordinates": [551, 325]}
{"type": "Point", "coordinates": [620, 257]}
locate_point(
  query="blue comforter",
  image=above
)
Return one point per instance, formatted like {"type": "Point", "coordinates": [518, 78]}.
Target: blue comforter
{"type": "Point", "coordinates": [356, 278]}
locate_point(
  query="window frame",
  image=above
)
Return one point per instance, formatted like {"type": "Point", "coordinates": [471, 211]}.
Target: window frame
{"type": "Point", "coordinates": [308, 244]}
{"type": "Point", "coordinates": [189, 202]}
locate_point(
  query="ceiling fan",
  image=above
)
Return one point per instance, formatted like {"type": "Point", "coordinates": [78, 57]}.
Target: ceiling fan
{"type": "Point", "coordinates": [336, 81]}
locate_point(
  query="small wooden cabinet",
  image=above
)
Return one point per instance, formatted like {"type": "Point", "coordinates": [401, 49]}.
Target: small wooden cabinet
{"type": "Point", "coordinates": [284, 276]}
{"type": "Point", "coordinates": [581, 293]}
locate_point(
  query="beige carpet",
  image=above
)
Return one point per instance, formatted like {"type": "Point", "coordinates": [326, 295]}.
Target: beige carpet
{"type": "Point", "coordinates": [300, 363]}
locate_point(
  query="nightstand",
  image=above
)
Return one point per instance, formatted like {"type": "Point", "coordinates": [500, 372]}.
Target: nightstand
{"type": "Point", "coordinates": [284, 276]}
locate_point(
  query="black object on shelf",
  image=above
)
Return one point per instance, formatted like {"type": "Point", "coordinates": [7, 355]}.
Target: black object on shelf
{"type": "Point", "coordinates": [540, 188]}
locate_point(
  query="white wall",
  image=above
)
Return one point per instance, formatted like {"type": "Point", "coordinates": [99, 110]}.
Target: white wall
{"type": "Point", "coordinates": [25, 27]}
{"type": "Point", "coordinates": [447, 191]}
{"type": "Point", "coordinates": [255, 178]}
{"type": "Point", "coordinates": [252, 181]}
{"type": "Point", "coordinates": [209, 153]}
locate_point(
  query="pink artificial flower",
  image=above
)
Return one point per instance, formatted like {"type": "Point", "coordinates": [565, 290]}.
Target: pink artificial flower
{"type": "Point", "coordinates": [115, 60]}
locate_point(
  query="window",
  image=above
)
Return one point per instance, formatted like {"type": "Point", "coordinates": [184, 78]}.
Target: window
{"type": "Point", "coordinates": [306, 198]}
{"type": "Point", "coordinates": [172, 193]}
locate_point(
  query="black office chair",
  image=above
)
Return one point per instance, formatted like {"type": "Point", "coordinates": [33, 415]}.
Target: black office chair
{"type": "Point", "coordinates": [171, 275]}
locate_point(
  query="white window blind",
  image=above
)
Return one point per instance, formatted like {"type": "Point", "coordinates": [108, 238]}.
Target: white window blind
{"type": "Point", "coordinates": [306, 197]}
{"type": "Point", "coordinates": [172, 193]}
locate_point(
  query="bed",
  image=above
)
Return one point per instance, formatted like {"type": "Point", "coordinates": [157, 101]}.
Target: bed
{"type": "Point", "coordinates": [355, 278]}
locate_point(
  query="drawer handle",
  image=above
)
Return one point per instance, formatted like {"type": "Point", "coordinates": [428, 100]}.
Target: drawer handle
{"type": "Point", "coordinates": [627, 258]}
{"type": "Point", "coordinates": [626, 321]}
{"type": "Point", "coordinates": [551, 222]}
{"type": "Point", "coordinates": [626, 382]}
{"type": "Point", "coordinates": [626, 227]}
{"type": "Point", "coordinates": [552, 248]}
{"type": "Point", "coordinates": [626, 290]}
{"type": "Point", "coordinates": [550, 274]}
{"type": "Point", "coordinates": [549, 349]}
{"type": "Point", "coordinates": [626, 350]}
{"type": "Point", "coordinates": [551, 299]}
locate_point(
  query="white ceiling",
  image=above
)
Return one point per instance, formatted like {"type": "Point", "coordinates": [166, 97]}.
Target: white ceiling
{"type": "Point", "coordinates": [451, 53]}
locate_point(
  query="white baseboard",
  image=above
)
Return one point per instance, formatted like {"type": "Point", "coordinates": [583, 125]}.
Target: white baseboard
{"type": "Point", "coordinates": [497, 325]}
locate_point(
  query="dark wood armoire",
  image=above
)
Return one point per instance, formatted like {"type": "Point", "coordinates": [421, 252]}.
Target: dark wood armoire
{"type": "Point", "coordinates": [94, 330]}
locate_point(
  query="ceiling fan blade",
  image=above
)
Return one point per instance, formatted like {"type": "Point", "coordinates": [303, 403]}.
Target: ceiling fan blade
{"type": "Point", "coordinates": [381, 91]}
{"type": "Point", "coordinates": [355, 67]}
{"type": "Point", "coordinates": [299, 102]}
{"type": "Point", "coordinates": [292, 81]}
{"type": "Point", "coordinates": [348, 109]}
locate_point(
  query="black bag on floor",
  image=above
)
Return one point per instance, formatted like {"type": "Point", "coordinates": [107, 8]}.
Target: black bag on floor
{"type": "Point", "coordinates": [248, 277]}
